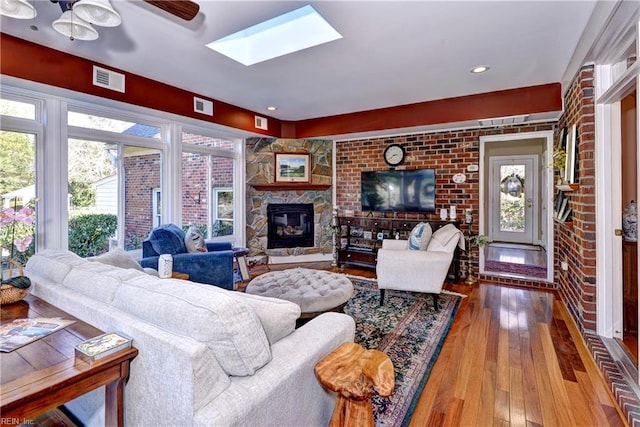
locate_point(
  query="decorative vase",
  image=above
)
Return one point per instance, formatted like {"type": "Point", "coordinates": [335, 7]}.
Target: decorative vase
{"type": "Point", "coordinates": [630, 222]}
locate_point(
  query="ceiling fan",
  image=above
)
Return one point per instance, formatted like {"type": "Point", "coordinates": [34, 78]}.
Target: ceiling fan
{"type": "Point", "coordinates": [184, 9]}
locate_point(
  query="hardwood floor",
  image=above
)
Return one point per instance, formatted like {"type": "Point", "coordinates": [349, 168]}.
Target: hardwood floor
{"type": "Point", "coordinates": [512, 357]}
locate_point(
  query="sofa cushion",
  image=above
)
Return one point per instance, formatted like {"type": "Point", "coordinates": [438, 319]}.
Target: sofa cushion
{"type": "Point", "coordinates": [419, 237]}
{"type": "Point", "coordinates": [53, 264]}
{"type": "Point", "coordinates": [278, 316]}
{"type": "Point", "coordinates": [97, 281]}
{"type": "Point", "coordinates": [228, 326]}
{"type": "Point", "coordinates": [117, 257]}
{"type": "Point", "coordinates": [194, 240]}
{"type": "Point", "coordinates": [167, 239]}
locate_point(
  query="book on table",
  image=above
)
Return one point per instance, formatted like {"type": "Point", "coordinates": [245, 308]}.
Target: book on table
{"type": "Point", "coordinates": [20, 332]}
{"type": "Point", "coordinates": [102, 346]}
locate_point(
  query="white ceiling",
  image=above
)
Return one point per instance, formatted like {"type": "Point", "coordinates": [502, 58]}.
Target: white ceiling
{"type": "Point", "coordinates": [392, 52]}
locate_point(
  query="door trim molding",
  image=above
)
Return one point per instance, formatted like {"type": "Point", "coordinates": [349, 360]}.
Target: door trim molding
{"type": "Point", "coordinates": [545, 196]}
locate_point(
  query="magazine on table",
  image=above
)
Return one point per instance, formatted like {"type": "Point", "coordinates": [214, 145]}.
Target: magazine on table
{"type": "Point", "coordinates": [101, 346]}
{"type": "Point", "coordinates": [20, 332]}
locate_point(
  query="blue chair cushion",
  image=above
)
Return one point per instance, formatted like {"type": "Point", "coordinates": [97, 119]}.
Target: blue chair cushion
{"type": "Point", "coordinates": [168, 239]}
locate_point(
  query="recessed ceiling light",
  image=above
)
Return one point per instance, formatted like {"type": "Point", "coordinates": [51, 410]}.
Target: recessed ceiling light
{"type": "Point", "coordinates": [294, 31]}
{"type": "Point", "coordinates": [271, 108]}
{"type": "Point", "coordinates": [479, 69]}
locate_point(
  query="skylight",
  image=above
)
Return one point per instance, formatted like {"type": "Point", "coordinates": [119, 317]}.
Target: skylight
{"type": "Point", "coordinates": [294, 31]}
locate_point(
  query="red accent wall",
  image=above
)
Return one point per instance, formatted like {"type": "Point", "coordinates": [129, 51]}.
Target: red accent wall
{"type": "Point", "coordinates": [527, 100]}
{"type": "Point", "coordinates": [33, 62]}
{"type": "Point", "coordinates": [30, 61]}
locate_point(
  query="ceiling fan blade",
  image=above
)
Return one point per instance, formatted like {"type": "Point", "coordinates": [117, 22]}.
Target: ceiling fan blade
{"type": "Point", "coordinates": [185, 9]}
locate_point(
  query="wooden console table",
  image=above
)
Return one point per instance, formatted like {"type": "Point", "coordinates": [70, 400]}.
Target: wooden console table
{"type": "Point", "coordinates": [361, 237]}
{"type": "Point", "coordinates": [45, 374]}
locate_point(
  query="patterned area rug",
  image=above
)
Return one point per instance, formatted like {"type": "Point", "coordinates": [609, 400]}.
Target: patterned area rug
{"type": "Point", "coordinates": [410, 332]}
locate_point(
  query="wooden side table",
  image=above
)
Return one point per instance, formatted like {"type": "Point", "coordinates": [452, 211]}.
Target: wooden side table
{"type": "Point", "coordinates": [45, 374]}
{"type": "Point", "coordinates": [239, 254]}
{"type": "Point", "coordinates": [354, 373]}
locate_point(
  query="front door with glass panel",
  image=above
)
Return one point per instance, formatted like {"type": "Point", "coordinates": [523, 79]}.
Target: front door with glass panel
{"type": "Point", "coordinates": [512, 195]}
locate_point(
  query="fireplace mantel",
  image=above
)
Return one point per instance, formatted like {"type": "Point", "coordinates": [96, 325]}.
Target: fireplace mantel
{"type": "Point", "coordinates": [291, 186]}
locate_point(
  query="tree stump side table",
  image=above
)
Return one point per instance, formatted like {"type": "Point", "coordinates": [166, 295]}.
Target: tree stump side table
{"type": "Point", "coordinates": [354, 373]}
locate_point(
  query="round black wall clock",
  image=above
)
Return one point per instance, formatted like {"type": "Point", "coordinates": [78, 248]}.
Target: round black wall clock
{"type": "Point", "coordinates": [394, 154]}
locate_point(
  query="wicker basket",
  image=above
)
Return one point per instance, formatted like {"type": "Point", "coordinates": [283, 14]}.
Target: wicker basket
{"type": "Point", "coordinates": [10, 294]}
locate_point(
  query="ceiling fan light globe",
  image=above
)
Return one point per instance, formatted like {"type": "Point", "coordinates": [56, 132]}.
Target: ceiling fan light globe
{"type": "Point", "coordinates": [19, 9]}
{"type": "Point", "coordinates": [74, 27]}
{"type": "Point", "coordinates": [97, 12]}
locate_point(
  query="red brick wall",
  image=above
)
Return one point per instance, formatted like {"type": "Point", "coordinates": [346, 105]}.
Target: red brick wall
{"type": "Point", "coordinates": [447, 152]}
{"type": "Point", "coordinates": [142, 175]}
{"type": "Point", "coordinates": [194, 188]}
{"type": "Point", "coordinates": [576, 243]}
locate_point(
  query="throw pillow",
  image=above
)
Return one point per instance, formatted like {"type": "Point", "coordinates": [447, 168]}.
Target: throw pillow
{"type": "Point", "coordinates": [118, 257]}
{"type": "Point", "coordinates": [194, 240]}
{"type": "Point", "coordinates": [419, 237]}
{"type": "Point", "coordinates": [441, 240]}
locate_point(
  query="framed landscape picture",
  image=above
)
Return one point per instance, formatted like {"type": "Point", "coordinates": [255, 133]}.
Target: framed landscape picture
{"type": "Point", "coordinates": [292, 167]}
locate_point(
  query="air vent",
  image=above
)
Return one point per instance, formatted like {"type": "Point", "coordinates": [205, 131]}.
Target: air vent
{"type": "Point", "coordinates": [261, 123]}
{"type": "Point", "coordinates": [500, 121]}
{"type": "Point", "coordinates": [202, 106]}
{"type": "Point", "coordinates": [108, 79]}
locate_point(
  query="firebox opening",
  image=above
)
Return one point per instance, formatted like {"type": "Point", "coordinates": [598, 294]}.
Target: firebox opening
{"type": "Point", "coordinates": [290, 225]}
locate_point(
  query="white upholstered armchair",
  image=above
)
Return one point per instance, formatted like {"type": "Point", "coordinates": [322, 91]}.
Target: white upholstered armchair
{"type": "Point", "coordinates": [418, 270]}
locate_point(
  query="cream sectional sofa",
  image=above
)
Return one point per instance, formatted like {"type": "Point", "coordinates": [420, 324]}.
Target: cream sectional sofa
{"type": "Point", "coordinates": [207, 356]}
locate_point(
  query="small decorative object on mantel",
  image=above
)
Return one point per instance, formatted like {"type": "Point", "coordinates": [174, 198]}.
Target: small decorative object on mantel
{"type": "Point", "coordinates": [292, 167]}
{"type": "Point", "coordinates": [630, 222]}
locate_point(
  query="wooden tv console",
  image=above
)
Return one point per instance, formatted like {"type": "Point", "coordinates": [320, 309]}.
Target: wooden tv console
{"type": "Point", "coordinates": [361, 237]}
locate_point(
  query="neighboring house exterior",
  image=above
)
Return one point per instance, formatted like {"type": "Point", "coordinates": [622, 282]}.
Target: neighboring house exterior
{"type": "Point", "coordinates": [106, 192]}
{"type": "Point", "coordinates": [23, 195]}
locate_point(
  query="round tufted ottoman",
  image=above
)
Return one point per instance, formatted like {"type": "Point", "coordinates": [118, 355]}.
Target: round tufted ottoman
{"type": "Point", "coordinates": [314, 291]}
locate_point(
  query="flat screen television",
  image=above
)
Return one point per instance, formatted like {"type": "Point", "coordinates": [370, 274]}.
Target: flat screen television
{"type": "Point", "coordinates": [399, 191]}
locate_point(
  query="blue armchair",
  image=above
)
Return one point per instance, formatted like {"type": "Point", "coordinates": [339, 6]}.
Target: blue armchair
{"type": "Point", "coordinates": [214, 267]}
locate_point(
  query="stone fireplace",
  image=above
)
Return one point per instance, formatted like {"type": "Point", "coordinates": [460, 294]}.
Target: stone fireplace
{"type": "Point", "coordinates": [262, 192]}
{"type": "Point", "coordinates": [290, 225]}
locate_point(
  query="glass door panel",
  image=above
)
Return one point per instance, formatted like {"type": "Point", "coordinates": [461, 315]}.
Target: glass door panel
{"type": "Point", "coordinates": [512, 198]}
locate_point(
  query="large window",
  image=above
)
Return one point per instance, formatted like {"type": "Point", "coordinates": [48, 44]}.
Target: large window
{"type": "Point", "coordinates": [106, 178]}
{"type": "Point", "coordinates": [208, 175]}
{"type": "Point", "coordinates": [106, 175]}
{"type": "Point", "coordinates": [19, 135]}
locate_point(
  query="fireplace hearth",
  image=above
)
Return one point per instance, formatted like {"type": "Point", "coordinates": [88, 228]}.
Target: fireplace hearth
{"type": "Point", "coordinates": [290, 225]}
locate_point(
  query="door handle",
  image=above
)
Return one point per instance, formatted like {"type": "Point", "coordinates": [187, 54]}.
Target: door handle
{"type": "Point", "coordinates": [529, 202]}
{"type": "Point", "coordinates": [618, 232]}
